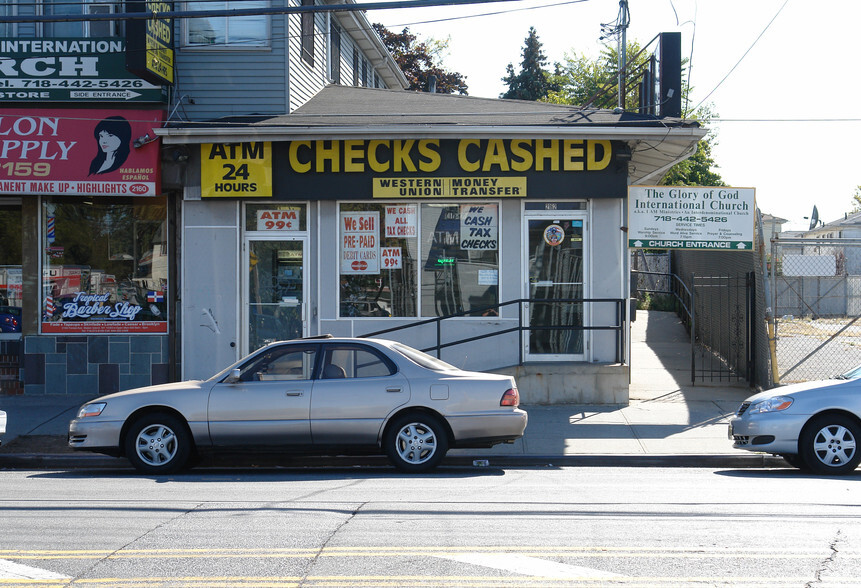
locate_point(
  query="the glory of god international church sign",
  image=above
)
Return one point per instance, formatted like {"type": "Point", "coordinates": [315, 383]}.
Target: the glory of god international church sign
{"type": "Point", "coordinates": [691, 217]}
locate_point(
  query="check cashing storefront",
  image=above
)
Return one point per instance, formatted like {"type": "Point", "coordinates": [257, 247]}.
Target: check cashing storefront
{"type": "Point", "coordinates": [312, 223]}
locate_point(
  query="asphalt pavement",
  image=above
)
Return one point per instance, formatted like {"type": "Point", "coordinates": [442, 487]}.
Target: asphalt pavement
{"type": "Point", "coordinates": [668, 422]}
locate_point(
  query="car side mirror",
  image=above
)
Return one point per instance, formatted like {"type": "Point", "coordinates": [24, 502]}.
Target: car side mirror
{"type": "Point", "coordinates": [233, 377]}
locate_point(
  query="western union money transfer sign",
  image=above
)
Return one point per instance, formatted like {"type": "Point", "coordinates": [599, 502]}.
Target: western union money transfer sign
{"type": "Point", "coordinates": [691, 217]}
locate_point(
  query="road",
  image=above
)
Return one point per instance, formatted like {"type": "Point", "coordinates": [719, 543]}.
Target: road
{"type": "Point", "coordinates": [479, 527]}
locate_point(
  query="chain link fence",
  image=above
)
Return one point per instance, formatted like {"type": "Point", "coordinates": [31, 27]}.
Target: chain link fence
{"type": "Point", "coordinates": [816, 300]}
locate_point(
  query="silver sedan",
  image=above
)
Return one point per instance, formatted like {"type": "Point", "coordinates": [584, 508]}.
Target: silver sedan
{"type": "Point", "coordinates": [316, 395]}
{"type": "Point", "coordinates": [814, 425]}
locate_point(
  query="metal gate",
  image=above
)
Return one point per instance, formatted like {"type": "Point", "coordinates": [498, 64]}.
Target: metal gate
{"type": "Point", "coordinates": [722, 332]}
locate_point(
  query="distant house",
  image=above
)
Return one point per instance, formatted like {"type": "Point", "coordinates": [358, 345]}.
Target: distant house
{"type": "Point", "coordinates": [848, 227]}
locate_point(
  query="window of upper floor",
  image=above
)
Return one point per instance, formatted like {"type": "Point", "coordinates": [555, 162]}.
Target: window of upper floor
{"type": "Point", "coordinates": [308, 34]}
{"type": "Point", "coordinates": [231, 32]}
{"type": "Point", "coordinates": [6, 29]}
{"type": "Point", "coordinates": [75, 29]}
{"type": "Point", "coordinates": [334, 53]}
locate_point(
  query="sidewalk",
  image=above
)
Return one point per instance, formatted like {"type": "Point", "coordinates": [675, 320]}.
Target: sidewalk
{"type": "Point", "coordinates": [667, 423]}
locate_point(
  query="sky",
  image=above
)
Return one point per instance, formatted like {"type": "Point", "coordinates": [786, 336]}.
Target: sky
{"type": "Point", "coordinates": [788, 106]}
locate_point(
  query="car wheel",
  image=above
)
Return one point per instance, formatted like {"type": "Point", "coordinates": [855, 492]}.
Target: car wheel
{"type": "Point", "coordinates": [795, 460]}
{"type": "Point", "coordinates": [158, 444]}
{"type": "Point", "coordinates": [415, 442]}
{"type": "Point", "coordinates": [829, 444]}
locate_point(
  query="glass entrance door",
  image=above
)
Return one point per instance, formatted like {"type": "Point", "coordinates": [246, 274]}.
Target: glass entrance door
{"type": "Point", "coordinates": [555, 269]}
{"type": "Point", "coordinates": [275, 291]}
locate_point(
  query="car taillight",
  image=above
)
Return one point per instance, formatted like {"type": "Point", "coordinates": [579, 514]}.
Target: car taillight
{"type": "Point", "coordinates": [510, 398]}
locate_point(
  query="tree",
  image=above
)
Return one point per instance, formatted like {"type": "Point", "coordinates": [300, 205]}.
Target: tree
{"type": "Point", "coordinates": [533, 82]}
{"type": "Point", "coordinates": [595, 82]}
{"type": "Point", "coordinates": [856, 199]}
{"type": "Point", "coordinates": [421, 60]}
{"type": "Point", "coordinates": [583, 81]}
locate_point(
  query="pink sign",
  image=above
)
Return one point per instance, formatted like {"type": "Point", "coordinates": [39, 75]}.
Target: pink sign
{"type": "Point", "coordinates": [79, 152]}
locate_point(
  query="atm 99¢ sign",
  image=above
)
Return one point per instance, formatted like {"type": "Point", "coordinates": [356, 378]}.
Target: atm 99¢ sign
{"type": "Point", "coordinates": [231, 170]}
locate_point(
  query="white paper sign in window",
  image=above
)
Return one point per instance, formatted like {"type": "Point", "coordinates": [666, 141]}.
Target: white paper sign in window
{"type": "Point", "coordinates": [278, 220]}
{"type": "Point", "coordinates": [360, 243]}
{"type": "Point", "coordinates": [479, 229]}
{"type": "Point", "coordinates": [401, 221]}
{"type": "Point", "coordinates": [392, 258]}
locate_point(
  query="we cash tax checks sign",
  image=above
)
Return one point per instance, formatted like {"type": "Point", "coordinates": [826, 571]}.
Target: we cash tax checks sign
{"type": "Point", "coordinates": [716, 218]}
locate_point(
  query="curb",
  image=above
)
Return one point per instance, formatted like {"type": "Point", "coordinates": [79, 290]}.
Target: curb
{"type": "Point", "coordinates": [31, 461]}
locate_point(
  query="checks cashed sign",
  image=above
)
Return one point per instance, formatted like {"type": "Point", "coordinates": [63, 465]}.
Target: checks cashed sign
{"type": "Point", "coordinates": [691, 217]}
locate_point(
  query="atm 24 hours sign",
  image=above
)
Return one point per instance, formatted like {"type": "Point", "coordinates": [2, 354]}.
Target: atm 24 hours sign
{"type": "Point", "coordinates": [236, 170]}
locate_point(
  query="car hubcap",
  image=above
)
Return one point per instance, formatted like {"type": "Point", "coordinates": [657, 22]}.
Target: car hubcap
{"type": "Point", "coordinates": [156, 445]}
{"type": "Point", "coordinates": [416, 443]}
{"type": "Point", "coordinates": [834, 445]}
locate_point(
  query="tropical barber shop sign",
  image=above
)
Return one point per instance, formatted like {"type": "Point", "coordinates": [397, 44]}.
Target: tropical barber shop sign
{"type": "Point", "coordinates": [691, 217]}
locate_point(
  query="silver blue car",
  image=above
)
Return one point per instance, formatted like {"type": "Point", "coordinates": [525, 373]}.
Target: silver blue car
{"type": "Point", "coordinates": [319, 395]}
{"type": "Point", "coordinates": [814, 425]}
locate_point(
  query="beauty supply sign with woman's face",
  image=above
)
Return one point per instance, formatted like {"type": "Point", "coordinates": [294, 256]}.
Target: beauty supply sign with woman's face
{"type": "Point", "coordinates": [103, 152]}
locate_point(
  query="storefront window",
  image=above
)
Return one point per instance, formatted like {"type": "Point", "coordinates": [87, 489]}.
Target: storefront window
{"type": "Point", "coordinates": [381, 254]}
{"type": "Point", "coordinates": [378, 256]}
{"type": "Point", "coordinates": [460, 252]}
{"type": "Point", "coordinates": [105, 265]}
{"type": "Point", "coordinates": [10, 269]}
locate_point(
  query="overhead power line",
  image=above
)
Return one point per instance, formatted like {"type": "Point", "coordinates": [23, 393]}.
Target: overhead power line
{"type": "Point", "coordinates": [235, 12]}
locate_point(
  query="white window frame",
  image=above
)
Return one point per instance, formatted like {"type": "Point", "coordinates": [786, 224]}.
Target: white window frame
{"type": "Point", "coordinates": [265, 45]}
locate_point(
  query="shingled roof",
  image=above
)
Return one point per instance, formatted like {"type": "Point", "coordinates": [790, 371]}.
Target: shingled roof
{"type": "Point", "coordinates": [347, 112]}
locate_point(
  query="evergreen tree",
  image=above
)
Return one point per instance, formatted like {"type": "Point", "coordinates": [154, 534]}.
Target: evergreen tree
{"type": "Point", "coordinates": [533, 82]}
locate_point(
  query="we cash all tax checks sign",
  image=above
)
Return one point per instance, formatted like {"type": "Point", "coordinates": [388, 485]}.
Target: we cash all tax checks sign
{"type": "Point", "coordinates": [716, 218]}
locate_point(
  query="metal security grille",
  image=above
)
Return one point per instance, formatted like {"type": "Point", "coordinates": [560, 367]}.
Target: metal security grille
{"type": "Point", "coordinates": [722, 341]}
{"type": "Point", "coordinates": [816, 297]}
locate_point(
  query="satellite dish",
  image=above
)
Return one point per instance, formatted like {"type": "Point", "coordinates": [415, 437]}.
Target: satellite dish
{"type": "Point", "coordinates": [814, 218]}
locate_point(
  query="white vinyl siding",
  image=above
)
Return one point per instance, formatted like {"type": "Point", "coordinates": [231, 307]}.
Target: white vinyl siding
{"type": "Point", "coordinates": [233, 80]}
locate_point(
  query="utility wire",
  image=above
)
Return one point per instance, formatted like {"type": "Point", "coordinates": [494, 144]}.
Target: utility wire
{"type": "Point", "coordinates": [382, 5]}
{"type": "Point", "coordinates": [743, 56]}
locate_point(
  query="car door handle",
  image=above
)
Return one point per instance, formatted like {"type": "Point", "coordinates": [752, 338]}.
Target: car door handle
{"type": "Point", "coordinates": [294, 393]}
{"type": "Point", "coordinates": [393, 389]}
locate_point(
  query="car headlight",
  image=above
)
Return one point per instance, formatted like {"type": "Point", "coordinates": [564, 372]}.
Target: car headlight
{"type": "Point", "coordinates": [773, 404]}
{"type": "Point", "coordinates": [92, 409]}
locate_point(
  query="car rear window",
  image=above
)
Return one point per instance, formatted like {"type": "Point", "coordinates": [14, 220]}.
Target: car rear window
{"type": "Point", "coordinates": [423, 359]}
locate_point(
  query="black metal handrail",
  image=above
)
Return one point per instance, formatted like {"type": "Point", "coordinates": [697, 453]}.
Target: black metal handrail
{"type": "Point", "coordinates": [619, 326]}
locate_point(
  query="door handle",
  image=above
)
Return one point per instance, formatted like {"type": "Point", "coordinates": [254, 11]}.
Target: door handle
{"type": "Point", "coordinates": [294, 393]}
{"type": "Point", "coordinates": [393, 389]}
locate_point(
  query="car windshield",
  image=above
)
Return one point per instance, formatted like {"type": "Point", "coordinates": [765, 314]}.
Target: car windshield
{"type": "Point", "coordinates": [851, 374]}
{"type": "Point", "coordinates": [421, 358]}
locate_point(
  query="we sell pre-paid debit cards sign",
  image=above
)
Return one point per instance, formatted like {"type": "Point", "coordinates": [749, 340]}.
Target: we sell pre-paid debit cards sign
{"type": "Point", "coordinates": [691, 217]}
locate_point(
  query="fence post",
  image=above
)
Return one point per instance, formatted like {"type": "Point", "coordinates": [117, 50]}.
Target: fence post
{"type": "Point", "coordinates": [693, 331]}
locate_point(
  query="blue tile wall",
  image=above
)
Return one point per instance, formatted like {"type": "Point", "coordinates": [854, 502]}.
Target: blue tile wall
{"type": "Point", "coordinates": [94, 365]}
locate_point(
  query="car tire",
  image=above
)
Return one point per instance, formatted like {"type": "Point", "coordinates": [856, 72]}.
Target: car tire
{"type": "Point", "coordinates": [795, 460]}
{"type": "Point", "coordinates": [158, 443]}
{"type": "Point", "coordinates": [415, 442]}
{"type": "Point", "coordinates": [829, 444]}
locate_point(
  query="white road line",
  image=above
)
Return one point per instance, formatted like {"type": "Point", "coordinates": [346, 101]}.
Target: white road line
{"type": "Point", "coordinates": [528, 566]}
{"type": "Point", "coordinates": [10, 570]}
